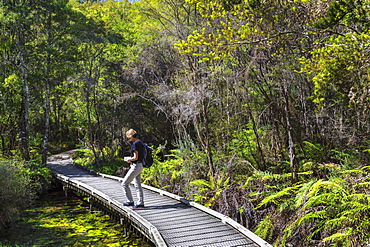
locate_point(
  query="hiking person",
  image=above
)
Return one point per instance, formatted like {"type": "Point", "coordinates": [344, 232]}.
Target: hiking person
{"type": "Point", "coordinates": [134, 174]}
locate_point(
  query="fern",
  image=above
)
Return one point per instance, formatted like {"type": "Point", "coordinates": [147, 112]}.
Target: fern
{"type": "Point", "coordinates": [210, 190]}
{"type": "Point", "coordinates": [303, 218]}
{"type": "Point", "coordinates": [313, 151]}
{"type": "Point", "coordinates": [301, 196]}
{"type": "Point", "coordinates": [363, 185]}
{"type": "Point", "coordinates": [279, 196]}
{"type": "Point", "coordinates": [265, 228]}
{"type": "Point", "coordinates": [311, 217]}
{"type": "Point", "coordinates": [365, 168]}
{"type": "Point", "coordinates": [337, 222]}
{"type": "Point", "coordinates": [337, 209]}
{"type": "Point", "coordinates": [361, 197]}
{"type": "Point", "coordinates": [339, 238]}
{"type": "Point", "coordinates": [265, 176]}
{"type": "Point", "coordinates": [312, 195]}
{"type": "Point", "coordinates": [201, 183]}
{"type": "Point", "coordinates": [326, 199]}
{"type": "Point", "coordinates": [322, 186]}
{"type": "Point", "coordinates": [164, 173]}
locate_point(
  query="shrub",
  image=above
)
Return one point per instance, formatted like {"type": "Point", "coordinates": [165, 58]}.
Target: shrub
{"type": "Point", "coordinates": [15, 190]}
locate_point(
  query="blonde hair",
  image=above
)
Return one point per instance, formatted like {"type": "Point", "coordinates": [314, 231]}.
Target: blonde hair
{"type": "Point", "coordinates": [131, 133]}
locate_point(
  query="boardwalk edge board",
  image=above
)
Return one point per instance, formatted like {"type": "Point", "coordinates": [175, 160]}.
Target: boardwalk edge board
{"type": "Point", "coordinates": [225, 219]}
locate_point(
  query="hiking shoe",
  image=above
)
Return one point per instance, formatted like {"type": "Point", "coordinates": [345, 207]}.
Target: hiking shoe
{"type": "Point", "coordinates": [128, 204]}
{"type": "Point", "coordinates": [138, 206]}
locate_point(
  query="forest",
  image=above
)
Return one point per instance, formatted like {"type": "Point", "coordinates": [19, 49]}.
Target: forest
{"type": "Point", "coordinates": [257, 109]}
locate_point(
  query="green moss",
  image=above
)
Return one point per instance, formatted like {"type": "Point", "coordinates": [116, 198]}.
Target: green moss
{"type": "Point", "coordinates": [59, 221]}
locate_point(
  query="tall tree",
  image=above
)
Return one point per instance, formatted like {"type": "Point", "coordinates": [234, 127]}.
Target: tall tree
{"type": "Point", "coordinates": [16, 33]}
{"type": "Point", "coordinates": [58, 28]}
{"type": "Point", "coordinates": [265, 32]}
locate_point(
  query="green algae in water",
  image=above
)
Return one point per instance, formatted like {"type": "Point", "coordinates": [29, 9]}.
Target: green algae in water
{"type": "Point", "coordinates": [56, 220]}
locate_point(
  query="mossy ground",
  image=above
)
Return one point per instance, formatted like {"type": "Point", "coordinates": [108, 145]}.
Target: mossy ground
{"type": "Point", "coordinates": [56, 220]}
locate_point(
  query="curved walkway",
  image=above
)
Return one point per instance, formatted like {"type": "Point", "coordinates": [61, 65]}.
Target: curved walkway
{"type": "Point", "coordinates": [167, 219]}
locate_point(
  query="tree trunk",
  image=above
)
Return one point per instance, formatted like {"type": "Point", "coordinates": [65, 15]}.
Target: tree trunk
{"type": "Point", "coordinates": [260, 158]}
{"type": "Point", "coordinates": [292, 159]}
{"type": "Point", "coordinates": [208, 146]}
{"type": "Point", "coordinates": [47, 100]}
{"type": "Point", "coordinates": [24, 124]}
{"type": "Point", "coordinates": [91, 140]}
{"type": "Point", "coordinates": [47, 122]}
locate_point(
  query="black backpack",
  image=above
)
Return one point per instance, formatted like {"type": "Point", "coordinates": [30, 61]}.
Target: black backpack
{"type": "Point", "coordinates": [148, 156]}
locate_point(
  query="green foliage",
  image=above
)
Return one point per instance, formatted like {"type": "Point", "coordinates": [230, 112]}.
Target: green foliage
{"type": "Point", "coordinates": [313, 152]}
{"type": "Point", "coordinates": [346, 53]}
{"type": "Point", "coordinates": [16, 190]}
{"type": "Point", "coordinates": [244, 144]}
{"type": "Point", "coordinates": [108, 162]}
{"type": "Point", "coordinates": [281, 198]}
{"type": "Point", "coordinates": [165, 174]}
{"type": "Point", "coordinates": [347, 159]}
{"type": "Point", "coordinates": [235, 25]}
{"type": "Point", "coordinates": [339, 212]}
{"type": "Point", "coordinates": [208, 191]}
{"type": "Point", "coordinates": [347, 12]}
{"type": "Point", "coordinates": [332, 208]}
{"type": "Point", "coordinates": [265, 228]}
{"type": "Point", "coordinates": [40, 176]}
{"type": "Point", "coordinates": [224, 100]}
{"type": "Point", "coordinates": [83, 156]}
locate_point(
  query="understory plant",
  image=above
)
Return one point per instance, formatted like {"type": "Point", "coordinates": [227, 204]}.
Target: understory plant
{"type": "Point", "coordinates": [108, 161]}
{"type": "Point", "coordinates": [16, 190]}
{"type": "Point", "coordinates": [209, 190]}
{"type": "Point", "coordinates": [331, 211]}
{"type": "Point", "coordinates": [165, 173]}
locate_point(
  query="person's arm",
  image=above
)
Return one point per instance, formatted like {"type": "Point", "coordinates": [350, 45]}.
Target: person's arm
{"type": "Point", "coordinates": [136, 156]}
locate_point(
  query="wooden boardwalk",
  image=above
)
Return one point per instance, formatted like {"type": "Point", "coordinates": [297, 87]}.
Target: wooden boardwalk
{"type": "Point", "coordinates": [167, 219]}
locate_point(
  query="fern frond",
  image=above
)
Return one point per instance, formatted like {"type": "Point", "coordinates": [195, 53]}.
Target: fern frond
{"type": "Point", "coordinates": [276, 197]}
{"type": "Point", "coordinates": [248, 182]}
{"type": "Point", "coordinates": [199, 198]}
{"type": "Point", "coordinates": [339, 236]}
{"type": "Point", "coordinates": [331, 199]}
{"type": "Point", "coordinates": [360, 197]}
{"type": "Point", "coordinates": [266, 176]}
{"type": "Point", "coordinates": [364, 224]}
{"type": "Point", "coordinates": [363, 185]}
{"type": "Point", "coordinates": [271, 187]}
{"type": "Point", "coordinates": [322, 186]}
{"type": "Point", "coordinates": [356, 209]}
{"type": "Point", "coordinates": [265, 228]}
{"type": "Point", "coordinates": [201, 183]}
{"type": "Point", "coordinates": [313, 146]}
{"type": "Point", "coordinates": [354, 172]}
{"type": "Point", "coordinates": [365, 168]}
{"type": "Point", "coordinates": [311, 216]}
{"type": "Point", "coordinates": [303, 219]}
{"type": "Point", "coordinates": [337, 222]}
{"type": "Point", "coordinates": [301, 196]}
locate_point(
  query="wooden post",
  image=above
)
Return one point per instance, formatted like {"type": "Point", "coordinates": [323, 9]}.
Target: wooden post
{"type": "Point", "coordinates": [65, 189]}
